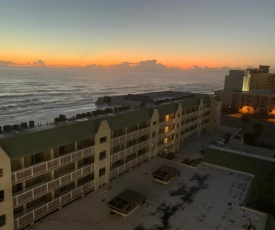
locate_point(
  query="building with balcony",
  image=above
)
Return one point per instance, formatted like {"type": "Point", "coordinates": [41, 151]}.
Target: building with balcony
{"type": "Point", "coordinates": [46, 167]}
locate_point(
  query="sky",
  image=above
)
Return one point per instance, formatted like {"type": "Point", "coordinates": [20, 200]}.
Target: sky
{"type": "Point", "coordinates": [175, 33]}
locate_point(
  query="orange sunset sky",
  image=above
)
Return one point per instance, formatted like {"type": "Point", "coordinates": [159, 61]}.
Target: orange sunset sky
{"type": "Point", "coordinates": [175, 33]}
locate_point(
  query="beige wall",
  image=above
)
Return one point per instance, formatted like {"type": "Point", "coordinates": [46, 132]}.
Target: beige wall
{"type": "Point", "coordinates": [259, 81]}
{"type": "Point", "coordinates": [6, 206]}
{"type": "Point", "coordinates": [153, 141]}
{"type": "Point", "coordinates": [215, 115]}
{"type": "Point", "coordinates": [103, 131]}
{"type": "Point", "coordinates": [178, 116]}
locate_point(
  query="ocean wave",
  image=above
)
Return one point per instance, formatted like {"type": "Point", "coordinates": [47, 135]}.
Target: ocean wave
{"type": "Point", "coordinates": [36, 94]}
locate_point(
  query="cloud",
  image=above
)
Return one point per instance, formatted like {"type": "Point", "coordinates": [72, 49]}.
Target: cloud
{"type": "Point", "coordinates": [39, 63]}
{"type": "Point", "coordinates": [96, 67]}
{"type": "Point", "coordinates": [6, 63]}
{"type": "Point", "coordinates": [142, 66]}
{"type": "Point", "coordinates": [152, 66]}
{"type": "Point", "coordinates": [122, 66]}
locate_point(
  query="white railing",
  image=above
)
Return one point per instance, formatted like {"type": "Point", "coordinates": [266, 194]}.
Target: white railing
{"type": "Point", "coordinates": [130, 136]}
{"type": "Point", "coordinates": [128, 165]}
{"type": "Point", "coordinates": [118, 140]}
{"type": "Point", "coordinates": [170, 121]}
{"type": "Point", "coordinates": [31, 194]}
{"type": "Point", "coordinates": [118, 155]}
{"type": "Point", "coordinates": [170, 132]}
{"type": "Point", "coordinates": [54, 204]}
{"type": "Point", "coordinates": [48, 165]}
{"type": "Point", "coordinates": [128, 151]}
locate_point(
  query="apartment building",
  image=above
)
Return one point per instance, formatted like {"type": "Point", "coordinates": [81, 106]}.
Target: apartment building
{"type": "Point", "coordinates": [46, 167]}
{"type": "Point", "coordinates": [254, 102]}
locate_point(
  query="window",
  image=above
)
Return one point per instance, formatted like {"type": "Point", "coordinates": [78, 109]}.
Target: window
{"type": "Point", "coordinates": [103, 139]}
{"type": "Point", "coordinates": [102, 155]}
{"type": "Point", "coordinates": [37, 158]}
{"type": "Point", "coordinates": [1, 172]}
{"type": "Point", "coordinates": [153, 134]}
{"type": "Point", "coordinates": [1, 195]}
{"type": "Point", "coordinates": [154, 122]}
{"type": "Point", "coordinates": [2, 220]}
{"type": "Point", "coordinates": [102, 172]}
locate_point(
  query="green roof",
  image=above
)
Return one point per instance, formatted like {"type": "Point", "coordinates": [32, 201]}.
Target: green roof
{"type": "Point", "coordinates": [32, 142]}
{"type": "Point", "coordinates": [251, 165]}
{"type": "Point", "coordinates": [206, 100]}
{"type": "Point", "coordinates": [217, 98]}
{"type": "Point", "coordinates": [190, 103]}
{"type": "Point", "coordinates": [257, 197]}
{"type": "Point", "coordinates": [129, 118]}
{"type": "Point", "coordinates": [168, 108]}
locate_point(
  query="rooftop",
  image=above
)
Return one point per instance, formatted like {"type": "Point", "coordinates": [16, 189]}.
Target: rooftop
{"type": "Point", "coordinates": [207, 197]}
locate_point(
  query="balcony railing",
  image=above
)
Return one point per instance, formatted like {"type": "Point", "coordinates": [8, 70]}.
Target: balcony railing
{"type": "Point", "coordinates": [128, 151]}
{"type": "Point", "coordinates": [170, 121]}
{"type": "Point", "coordinates": [31, 194]}
{"type": "Point", "coordinates": [129, 136]}
{"type": "Point", "coordinates": [128, 165]}
{"type": "Point", "coordinates": [166, 145]}
{"type": "Point", "coordinates": [48, 165]}
{"type": "Point", "coordinates": [54, 204]}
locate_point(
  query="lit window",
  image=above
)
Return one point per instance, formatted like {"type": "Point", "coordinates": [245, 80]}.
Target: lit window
{"type": "Point", "coordinates": [166, 129]}
{"type": "Point", "coordinates": [167, 118]}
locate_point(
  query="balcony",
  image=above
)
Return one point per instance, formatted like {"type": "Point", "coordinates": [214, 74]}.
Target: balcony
{"type": "Point", "coordinates": [31, 194]}
{"type": "Point", "coordinates": [129, 136]}
{"type": "Point", "coordinates": [118, 155]}
{"type": "Point", "coordinates": [48, 165]}
{"type": "Point", "coordinates": [54, 204]}
{"type": "Point", "coordinates": [170, 121]}
{"type": "Point", "coordinates": [117, 171]}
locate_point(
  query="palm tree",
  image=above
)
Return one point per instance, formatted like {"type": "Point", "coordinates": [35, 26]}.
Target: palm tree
{"type": "Point", "coordinates": [245, 119]}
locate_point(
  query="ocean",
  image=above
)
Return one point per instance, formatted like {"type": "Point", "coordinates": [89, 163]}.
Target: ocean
{"type": "Point", "coordinates": [41, 94]}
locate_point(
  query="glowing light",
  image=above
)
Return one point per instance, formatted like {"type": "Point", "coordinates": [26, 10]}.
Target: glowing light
{"type": "Point", "coordinates": [247, 110]}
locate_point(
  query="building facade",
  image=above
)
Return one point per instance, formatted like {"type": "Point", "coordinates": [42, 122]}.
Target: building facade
{"type": "Point", "coordinates": [254, 102]}
{"type": "Point", "coordinates": [237, 80]}
{"type": "Point", "coordinates": [253, 93]}
{"type": "Point", "coordinates": [43, 169]}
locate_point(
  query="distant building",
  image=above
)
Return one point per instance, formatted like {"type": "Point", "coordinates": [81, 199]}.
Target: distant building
{"type": "Point", "coordinates": [237, 80]}
{"type": "Point", "coordinates": [43, 169]}
{"type": "Point", "coordinates": [250, 91]}
{"type": "Point", "coordinates": [262, 79]}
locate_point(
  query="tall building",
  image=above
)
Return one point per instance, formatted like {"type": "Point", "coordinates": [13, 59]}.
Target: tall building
{"type": "Point", "coordinates": [237, 80]}
{"type": "Point", "coordinates": [262, 79]}
{"type": "Point", "coordinates": [249, 91]}
{"type": "Point", "coordinates": [46, 167]}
